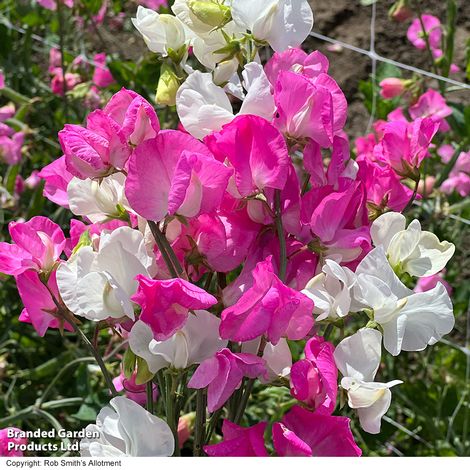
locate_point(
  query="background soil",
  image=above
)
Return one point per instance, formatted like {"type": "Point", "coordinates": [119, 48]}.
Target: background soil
{"type": "Point", "coordinates": [349, 21]}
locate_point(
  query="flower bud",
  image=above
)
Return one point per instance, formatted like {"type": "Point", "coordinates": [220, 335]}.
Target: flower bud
{"type": "Point", "coordinates": [210, 13]}
{"type": "Point", "coordinates": [400, 11]}
{"type": "Point", "coordinates": [392, 87]}
{"type": "Point", "coordinates": [168, 85]}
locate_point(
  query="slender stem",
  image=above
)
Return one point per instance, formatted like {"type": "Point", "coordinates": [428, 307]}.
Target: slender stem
{"type": "Point", "coordinates": [449, 166]}
{"type": "Point", "coordinates": [213, 423]}
{"type": "Point", "coordinates": [158, 236]}
{"type": "Point", "coordinates": [413, 197]}
{"type": "Point", "coordinates": [150, 397]}
{"type": "Point", "coordinates": [200, 431]}
{"type": "Point", "coordinates": [62, 58]}
{"type": "Point", "coordinates": [425, 36]}
{"type": "Point", "coordinates": [172, 416]}
{"type": "Point", "coordinates": [280, 234]}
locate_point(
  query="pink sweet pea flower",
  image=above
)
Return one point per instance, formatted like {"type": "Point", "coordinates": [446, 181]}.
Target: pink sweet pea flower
{"type": "Point", "coordinates": [101, 76]}
{"type": "Point", "coordinates": [153, 4]}
{"type": "Point", "coordinates": [239, 441]}
{"type": "Point", "coordinates": [404, 146]}
{"type": "Point", "coordinates": [7, 438]}
{"type": "Point", "coordinates": [427, 283]}
{"type": "Point", "coordinates": [433, 105]}
{"type": "Point", "coordinates": [2, 80]}
{"type": "Point", "coordinates": [134, 114]}
{"type": "Point", "coordinates": [257, 152]}
{"type": "Point", "coordinates": [459, 177]}
{"type": "Point", "coordinates": [314, 380]}
{"type": "Point", "coordinates": [55, 59]}
{"type": "Point", "coordinates": [57, 82]}
{"type": "Point", "coordinates": [166, 304]}
{"type": "Point", "coordinates": [134, 392]}
{"type": "Point", "coordinates": [306, 434]}
{"type": "Point", "coordinates": [391, 87]}
{"type": "Point", "coordinates": [37, 246]}
{"type": "Point", "coordinates": [10, 148]}
{"type": "Point", "coordinates": [383, 187]}
{"type": "Point", "coordinates": [7, 112]}
{"type": "Point", "coordinates": [189, 180]}
{"type": "Point", "coordinates": [40, 309]}
{"type": "Point", "coordinates": [298, 61]}
{"type": "Point", "coordinates": [32, 180]}
{"type": "Point", "coordinates": [57, 179]}
{"type": "Point", "coordinates": [432, 26]}
{"type": "Point", "coordinates": [52, 4]}
{"type": "Point", "coordinates": [267, 307]}
{"type": "Point", "coordinates": [223, 374]}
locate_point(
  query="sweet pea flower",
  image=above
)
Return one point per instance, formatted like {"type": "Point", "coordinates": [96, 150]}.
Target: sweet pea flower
{"type": "Point", "coordinates": [239, 441]}
{"type": "Point", "coordinates": [433, 105]}
{"type": "Point", "coordinates": [427, 283]}
{"type": "Point", "coordinates": [57, 82]}
{"type": "Point", "coordinates": [392, 87]}
{"type": "Point", "coordinates": [162, 33]}
{"type": "Point", "coordinates": [32, 180]}
{"type": "Point", "coordinates": [256, 150]}
{"type": "Point", "coordinates": [305, 434]}
{"type": "Point", "coordinates": [2, 80]}
{"type": "Point", "coordinates": [99, 284]}
{"type": "Point", "coordinates": [134, 392]}
{"type": "Point", "coordinates": [281, 23]}
{"type": "Point", "coordinates": [57, 178]}
{"type": "Point", "coordinates": [98, 200]}
{"type": "Point", "coordinates": [127, 430]}
{"type": "Point", "coordinates": [314, 379]}
{"type": "Point", "coordinates": [405, 145]}
{"type": "Point", "coordinates": [433, 29]}
{"type": "Point", "coordinates": [37, 245]}
{"type": "Point", "coordinates": [10, 148]}
{"type": "Point", "coordinates": [459, 177]}
{"type": "Point", "coordinates": [358, 359]}
{"type": "Point", "coordinates": [410, 321]}
{"type": "Point", "coordinates": [175, 173]}
{"type": "Point", "coordinates": [331, 291]}
{"type": "Point", "coordinates": [223, 373]}
{"type": "Point", "coordinates": [195, 342]}
{"type": "Point", "coordinates": [267, 307]}
{"type": "Point", "coordinates": [40, 309]}
{"type": "Point", "coordinates": [410, 249]}
{"type": "Point", "coordinates": [52, 4]}
{"type": "Point", "coordinates": [166, 304]}
{"type": "Point", "coordinates": [203, 107]}
{"type": "Point", "coordinates": [8, 436]}
{"type": "Point", "coordinates": [154, 4]}
{"type": "Point", "coordinates": [7, 111]}
{"type": "Point", "coordinates": [102, 77]}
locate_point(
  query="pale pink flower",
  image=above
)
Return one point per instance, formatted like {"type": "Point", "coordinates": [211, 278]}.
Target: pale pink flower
{"type": "Point", "coordinates": [459, 177]}
{"type": "Point", "coordinates": [52, 4]}
{"type": "Point", "coordinates": [431, 105]}
{"type": "Point", "coordinates": [10, 148]}
{"type": "Point", "coordinates": [432, 26]}
{"type": "Point", "coordinates": [223, 374]}
{"type": "Point", "coordinates": [391, 87]}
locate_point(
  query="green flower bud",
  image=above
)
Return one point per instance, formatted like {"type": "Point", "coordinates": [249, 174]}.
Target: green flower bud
{"type": "Point", "coordinates": [210, 13]}
{"type": "Point", "coordinates": [168, 85]}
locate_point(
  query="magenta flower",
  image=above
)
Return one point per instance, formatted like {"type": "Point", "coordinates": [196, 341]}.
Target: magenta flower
{"type": "Point", "coordinates": [432, 26]}
{"type": "Point", "coordinates": [39, 307]}
{"type": "Point", "coordinates": [7, 438]}
{"type": "Point", "coordinates": [314, 380]}
{"type": "Point", "coordinates": [267, 307]}
{"type": "Point", "coordinates": [427, 283]}
{"type": "Point", "coordinates": [134, 392]}
{"type": "Point", "coordinates": [404, 146]}
{"type": "Point", "coordinates": [57, 178]}
{"type": "Point", "coordinates": [239, 441]}
{"type": "Point", "coordinates": [431, 105]}
{"type": "Point", "coordinates": [37, 245]}
{"type": "Point", "coordinates": [175, 173]}
{"type": "Point", "coordinates": [2, 80]}
{"type": "Point", "coordinates": [101, 76]}
{"type": "Point", "coordinates": [223, 374]}
{"type": "Point", "coordinates": [305, 434]}
{"type": "Point", "coordinates": [257, 152]}
{"type": "Point", "coordinates": [166, 304]}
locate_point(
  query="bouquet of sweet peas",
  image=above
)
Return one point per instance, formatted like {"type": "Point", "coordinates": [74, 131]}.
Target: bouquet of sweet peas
{"type": "Point", "coordinates": [214, 248]}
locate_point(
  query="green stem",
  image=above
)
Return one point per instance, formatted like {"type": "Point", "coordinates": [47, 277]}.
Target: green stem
{"type": "Point", "coordinates": [200, 428]}
{"type": "Point", "coordinates": [213, 423]}
{"type": "Point", "coordinates": [150, 397]}
{"type": "Point", "coordinates": [172, 416]}
{"type": "Point", "coordinates": [158, 236]}
{"type": "Point", "coordinates": [449, 167]}
{"type": "Point", "coordinates": [280, 235]}
{"type": "Point", "coordinates": [425, 36]}
{"type": "Point", "coordinates": [62, 58]}
{"type": "Point", "coordinates": [413, 197]}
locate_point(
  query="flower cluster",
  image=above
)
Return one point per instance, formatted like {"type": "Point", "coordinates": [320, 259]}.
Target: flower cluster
{"type": "Point", "coordinates": [214, 247]}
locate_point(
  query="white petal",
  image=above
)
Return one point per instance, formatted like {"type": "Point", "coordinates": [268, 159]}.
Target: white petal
{"type": "Point", "coordinates": [278, 360]}
{"type": "Point", "coordinates": [404, 243]}
{"type": "Point", "coordinates": [384, 228]}
{"type": "Point", "coordinates": [371, 418]}
{"type": "Point", "coordinates": [358, 356]}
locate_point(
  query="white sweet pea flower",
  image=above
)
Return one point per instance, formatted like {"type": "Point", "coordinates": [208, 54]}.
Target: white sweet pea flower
{"type": "Point", "coordinates": [281, 23]}
{"type": "Point", "coordinates": [202, 16]}
{"type": "Point", "coordinates": [161, 32]}
{"type": "Point", "coordinates": [331, 291]}
{"type": "Point", "coordinates": [98, 200]}
{"type": "Point", "coordinates": [410, 249]}
{"type": "Point", "coordinates": [358, 358]}
{"type": "Point", "coordinates": [196, 341]}
{"type": "Point", "coordinates": [410, 321]}
{"type": "Point", "coordinates": [203, 107]}
{"type": "Point", "coordinates": [98, 284]}
{"type": "Point", "coordinates": [127, 430]}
